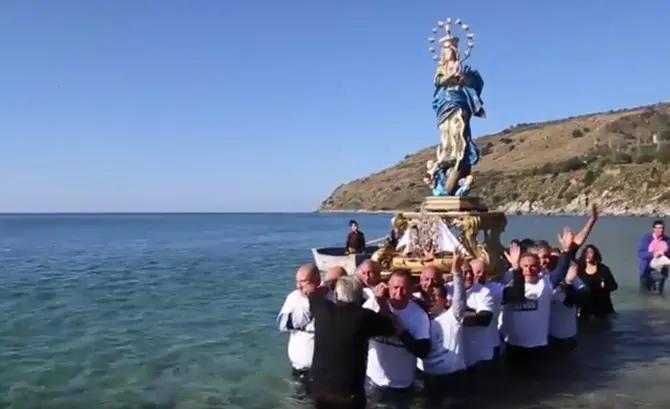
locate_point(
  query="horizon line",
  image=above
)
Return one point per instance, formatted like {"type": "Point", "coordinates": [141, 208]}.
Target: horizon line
{"type": "Point", "coordinates": [124, 213]}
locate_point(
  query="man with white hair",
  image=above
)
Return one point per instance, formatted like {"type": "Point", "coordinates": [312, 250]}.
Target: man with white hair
{"type": "Point", "coordinates": [342, 330]}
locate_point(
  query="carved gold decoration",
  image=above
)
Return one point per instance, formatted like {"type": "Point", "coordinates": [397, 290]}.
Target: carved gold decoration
{"type": "Point", "coordinates": [383, 255]}
{"type": "Point", "coordinates": [399, 222]}
{"type": "Point", "coordinates": [472, 224]}
{"type": "Point", "coordinates": [453, 203]}
{"type": "Point", "coordinates": [415, 265]}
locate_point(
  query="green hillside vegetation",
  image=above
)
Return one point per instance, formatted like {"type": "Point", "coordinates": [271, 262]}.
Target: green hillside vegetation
{"type": "Point", "coordinates": [618, 158]}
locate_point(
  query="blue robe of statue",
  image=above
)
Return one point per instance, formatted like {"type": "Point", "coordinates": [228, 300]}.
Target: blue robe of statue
{"type": "Point", "coordinates": [467, 97]}
{"type": "Point", "coordinates": [439, 180]}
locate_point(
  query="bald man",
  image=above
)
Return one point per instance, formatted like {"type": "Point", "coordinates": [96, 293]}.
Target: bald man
{"type": "Point", "coordinates": [479, 271]}
{"type": "Point", "coordinates": [430, 277]}
{"type": "Point", "coordinates": [335, 273]}
{"type": "Point", "coordinates": [369, 274]}
{"type": "Point", "coordinates": [296, 319]}
{"type": "Point", "coordinates": [478, 349]}
{"type": "Point", "coordinates": [332, 276]}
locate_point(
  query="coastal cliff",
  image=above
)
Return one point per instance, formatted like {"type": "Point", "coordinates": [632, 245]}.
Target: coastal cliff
{"type": "Point", "coordinates": [618, 159]}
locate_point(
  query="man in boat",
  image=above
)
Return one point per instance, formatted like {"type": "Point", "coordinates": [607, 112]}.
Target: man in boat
{"type": "Point", "coordinates": [355, 239]}
{"type": "Point", "coordinates": [650, 250]}
{"type": "Point", "coordinates": [295, 318]}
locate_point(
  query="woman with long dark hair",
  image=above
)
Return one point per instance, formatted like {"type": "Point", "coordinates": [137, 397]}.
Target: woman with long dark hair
{"type": "Point", "coordinates": [600, 281]}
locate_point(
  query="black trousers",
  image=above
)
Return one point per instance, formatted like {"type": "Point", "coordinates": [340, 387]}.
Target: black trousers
{"type": "Point", "coordinates": [562, 346]}
{"type": "Point", "coordinates": [301, 382]}
{"type": "Point", "coordinates": [480, 374]}
{"type": "Point", "coordinates": [444, 385]}
{"type": "Point", "coordinates": [525, 359]}
{"type": "Point", "coordinates": [324, 399]}
{"type": "Point", "coordinates": [398, 397]}
{"type": "Point", "coordinates": [654, 282]}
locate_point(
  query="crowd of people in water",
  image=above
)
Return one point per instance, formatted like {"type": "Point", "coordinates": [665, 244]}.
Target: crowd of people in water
{"type": "Point", "coordinates": [359, 338]}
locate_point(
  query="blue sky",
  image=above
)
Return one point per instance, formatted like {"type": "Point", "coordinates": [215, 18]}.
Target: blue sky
{"type": "Point", "coordinates": [216, 105]}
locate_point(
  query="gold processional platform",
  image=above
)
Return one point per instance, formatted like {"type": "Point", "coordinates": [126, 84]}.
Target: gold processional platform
{"type": "Point", "coordinates": [477, 230]}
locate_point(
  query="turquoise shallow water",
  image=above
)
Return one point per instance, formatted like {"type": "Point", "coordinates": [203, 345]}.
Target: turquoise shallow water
{"type": "Point", "coordinates": [177, 311]}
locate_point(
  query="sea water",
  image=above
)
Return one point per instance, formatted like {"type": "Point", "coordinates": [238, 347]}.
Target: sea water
{"type": "Point", "coordinates": [178, 311]}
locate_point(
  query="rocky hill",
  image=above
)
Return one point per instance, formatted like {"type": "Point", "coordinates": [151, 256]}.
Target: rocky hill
{"type": "Point", "coordinates": [618, 159]}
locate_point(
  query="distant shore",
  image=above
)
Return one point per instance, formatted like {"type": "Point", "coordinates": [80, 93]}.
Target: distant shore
{"type": "Point", "coordinates": [614, 212]}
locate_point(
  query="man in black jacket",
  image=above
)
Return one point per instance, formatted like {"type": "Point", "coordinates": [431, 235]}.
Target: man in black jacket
{"type": "Point", "coordinates": [341, 333]}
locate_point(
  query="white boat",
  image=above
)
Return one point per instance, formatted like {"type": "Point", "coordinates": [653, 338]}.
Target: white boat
{"type": "Point", "coordinates": [327, 257]}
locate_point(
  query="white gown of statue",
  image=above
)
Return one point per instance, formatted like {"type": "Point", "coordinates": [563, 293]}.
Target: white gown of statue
{"type": "Point", "coordinates": [446, 241]}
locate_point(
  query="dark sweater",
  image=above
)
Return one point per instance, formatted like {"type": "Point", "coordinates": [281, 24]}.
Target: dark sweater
{"type": "Point", "coordinates": [341, 335]}
{"type": "Point", "coordinates": [356, 241]}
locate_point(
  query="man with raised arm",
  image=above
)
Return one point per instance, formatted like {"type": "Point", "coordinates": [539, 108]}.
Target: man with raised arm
{"type": "Point", "coordinates": [527, 303]}
{"type": "Point", "coordinates": [392, 360]}
{"type": "Point", "coordinates": [296, 319]}
{"type": "Point", "coordinates": [568, 293]}
{"type": "Point", "coordinates": [479, 315]}
{"type": "Point", "coordinates": [563, 319]}
{"type": "Point", "coordinates": [444, 366]}
{"type": "Point", "coordinates": [342, 331]}
{"type": "Point", "coordinates": [545, 253]}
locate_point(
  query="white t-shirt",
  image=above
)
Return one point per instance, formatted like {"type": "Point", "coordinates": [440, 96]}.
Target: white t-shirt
{"type": "Point", "coordinates": [389, 363]}
{"type": "Point", "coordinates": [496, 289]}
{"type": "Point", "coordinates": [563, 319]}
{"type": "Point", "coordinates": [301, 341]}
{"type": "Point", "coordinates": [478, 345]}
{"type": "Point", "coordinates": [368, 293]}
{"type": "Point", "coordinates": [446, 351]}
{"type": "Point", "coordinates": [526, 324]}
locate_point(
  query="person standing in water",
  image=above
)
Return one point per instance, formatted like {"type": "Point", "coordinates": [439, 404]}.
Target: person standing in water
{"type": "Point", "coordinates": [653, 245]}
{"type": "Point", "coordinates": [342, 330]}
{"type": "Point", "coordinates": [296, 319]}
{"type": "Point", "coordinates": [600, 281]}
